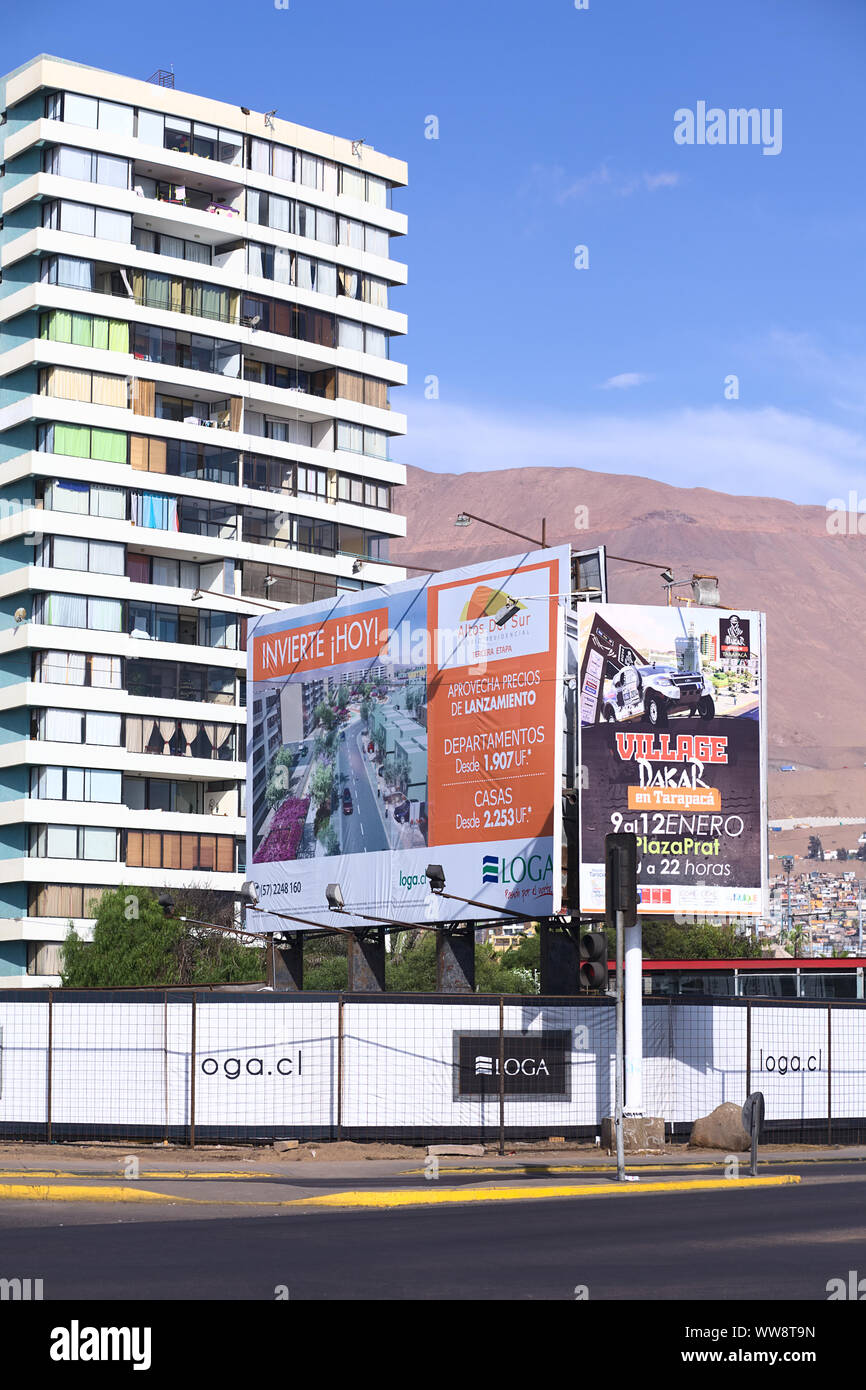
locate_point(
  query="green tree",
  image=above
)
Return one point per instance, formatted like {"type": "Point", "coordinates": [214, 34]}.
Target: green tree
{"type": "Point", "coordinates": [321, 783]}
{"type": "Point", "coordinates": [135, 943]}
{"type": "Point", "coordinates": [329, 839]}
{"type": "Point", "coordinates": [816, 849]}
{"type": "Point", "coordinates": [324, 715]}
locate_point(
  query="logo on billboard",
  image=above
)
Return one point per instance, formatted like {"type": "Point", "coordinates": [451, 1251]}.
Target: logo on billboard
{"type": "Point", "coordinates": [485, 602]}
{"type": "Point", "coordinates": [490, 869]}
{"type": "Point", "coordinates": [734, 637]}
{"type": "Point", "coordinates": [533, 867]}
{"type": "Point", "coordinates": [536, 1066]}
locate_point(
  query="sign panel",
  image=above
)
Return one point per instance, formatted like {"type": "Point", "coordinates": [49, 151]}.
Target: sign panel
{"type": "Point", "coordinates": [672, 747]}
{"type": "Point", "coordinates": [403, 724]}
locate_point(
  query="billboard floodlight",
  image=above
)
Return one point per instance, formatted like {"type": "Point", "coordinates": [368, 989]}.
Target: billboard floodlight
{"type": "Point", "coordinates": [334, 895]}
{"type": "Point", "coordinates": [436, 878]}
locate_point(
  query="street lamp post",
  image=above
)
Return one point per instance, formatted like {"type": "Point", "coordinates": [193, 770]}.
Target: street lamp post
{"type": "Point", "coordinates": [466, 518]}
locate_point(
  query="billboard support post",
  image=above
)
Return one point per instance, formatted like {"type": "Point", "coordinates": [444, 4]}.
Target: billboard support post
{"type": "Point", "coordinates": [367, 961]}
{"type": "Point", "coordinates": [455, 959]}
{"type": "Point", "coordinates": [633, 1020]}
{"type": "Point", "coordinates": [286, 963]}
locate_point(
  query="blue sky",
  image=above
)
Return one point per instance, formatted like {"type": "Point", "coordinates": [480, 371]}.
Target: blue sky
{"type": "Point", "coordinates": [556, 130]}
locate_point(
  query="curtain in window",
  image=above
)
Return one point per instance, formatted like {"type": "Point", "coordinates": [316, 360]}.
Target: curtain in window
{"type": "Point", "coordinates": [70, 554]}
{"type": "Point", "coordinates": [105, 614]}
{"type": "Point", "coordinates": [197, 251]}
{"type": "Point", "coordinates": [110, 390]}
{"type": "Point", "coordinates": [219, 735]}
{"type": "Point", "coordinates": [99, 843]}
{"type": "Point", "coordinates": [280, 212]}
{"type": "Point", "coordinates": [77, 218]}
{"type": "Point", "coordinates": [353, 184]}
{"type": "Point", "coordinates": [112, 171]}
{"type": "Point", "coordinates": [283, 163]}
{"type": "Point", "coordinates": [189, 730]}
{"type": "Point", "coordinates": [144, 240]}
{"type": "Point", "coordinates": [350, 385]}
{"type": "Point", "coordinates": [351, 335]}
{"type": "Point", "coordinates": [377, 242]}
{"type": "Point", "coordinates": [109, 445]}
{"type": "Point", "coordinates": [118, 336]}
{"type": "Point", "coordinates": [115, 118]}
{"type": "Point", "coordinates": [65, 610]}
{"type": "Point", "coordinates": [167, 729]}
{"type": "Point", "coordinates": [59, 326]}
{"type": "Point", "coordinates": [165, 571]}
{"type": "Point", "coordinates": [102, 729]}
{"type": "Point", "coordinates": [309, 169]}
{"type": "Point", "coordinates": [105, 558]}
{"type": "Point", "coordinates": [171, 246]}
{"type": "Point", "coordinates": [105, 672]}
{"type": "Point", "coordinates": [113, 226]}
{"type": "Point", "coordinates": [376, 393]}
{"type": "Point", "coordinates": [73, 440]}
{"type": "Point", "coordinates": [326, 278]}
{"type": "Point", "coordinates": [68, 385]}
{"type": "Point", "coordinates": [108, 501]}
{"type": "Point", "coordinates": [349, 281]}
{"type": "Point", "coordinates": [78, 110]}
{"type": "Point", "coordinates": [143, 397]}
{"type": "Point", "coordinates": [282, 266]}
{"type": "Point", "coordinates": [304, 272]}
{"type": "Point", "coordinates": [376, 342]}
{"type": "Point", "coordinates": [260, 156]}
{"type": "Point", "coordinates": [63, 496]}
{"type": "Point", "coordinates": [61, 726]}
{"type": "Point", "coordinates": [134, 735]}
{"type": "Point", "coordinates": [377, 192]}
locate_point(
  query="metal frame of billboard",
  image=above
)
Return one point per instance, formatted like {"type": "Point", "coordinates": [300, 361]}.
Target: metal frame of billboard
{"type": "Point", "coordinates": [758, 907]}
{"type": "Point", "coordinates": [481, 686]}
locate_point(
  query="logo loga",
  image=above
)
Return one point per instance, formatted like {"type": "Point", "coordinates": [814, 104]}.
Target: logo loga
{"type": "Point", "coordinates": [483, 1066]}
{"type": "Point", "coordinates": [535, 868]}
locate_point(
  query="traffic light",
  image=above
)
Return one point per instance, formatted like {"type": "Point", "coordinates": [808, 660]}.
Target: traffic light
{"type": "Point", "coordinates": [620, 876]}
{"type": "Point", "coordinates": [593, 960]}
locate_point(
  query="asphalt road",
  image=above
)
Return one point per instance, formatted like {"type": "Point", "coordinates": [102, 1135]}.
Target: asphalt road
{"type": "Point", "coordinates": [363, 830]}
{"type": "Point", "coordinates": [767, 1245]}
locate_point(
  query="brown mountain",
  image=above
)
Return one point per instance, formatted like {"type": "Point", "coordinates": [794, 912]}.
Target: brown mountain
{"type": "Point", "coordinates": [768, 554]}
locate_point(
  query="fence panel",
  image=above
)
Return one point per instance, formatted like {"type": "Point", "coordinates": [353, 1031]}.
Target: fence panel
{"type": "Point", "coordinates": [205, 1066]}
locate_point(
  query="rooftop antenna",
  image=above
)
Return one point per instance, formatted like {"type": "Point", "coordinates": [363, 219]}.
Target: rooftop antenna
{"type": "Point", "coordinates": [269, 118]}
{"type": "Point", "coordinates": [163, 77]}
{"type": "Point", "coordinates": [356, 147]}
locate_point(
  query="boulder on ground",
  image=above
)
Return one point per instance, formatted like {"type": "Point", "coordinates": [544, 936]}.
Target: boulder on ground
{"type": "Point", "coordinates": [721, 1129]}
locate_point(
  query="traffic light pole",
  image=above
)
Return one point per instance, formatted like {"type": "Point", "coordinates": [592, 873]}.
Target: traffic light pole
{"type": "Point", "coordinates": [633, 1019]}
{"type": "Point", "coordinates": [620, 1050]}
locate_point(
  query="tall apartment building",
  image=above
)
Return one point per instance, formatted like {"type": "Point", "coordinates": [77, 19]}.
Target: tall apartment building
{"type": "Point", "coordinates": [195, 414]}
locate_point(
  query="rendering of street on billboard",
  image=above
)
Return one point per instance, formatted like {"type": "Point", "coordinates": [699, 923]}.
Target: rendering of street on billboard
{"type": "Point", "coordinates": [672, 746]}
{"type": "Point", "coordinates": [405, 724]}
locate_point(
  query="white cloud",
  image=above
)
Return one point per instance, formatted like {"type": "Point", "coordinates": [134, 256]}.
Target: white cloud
{"type": "Point", "coordinates": [620, 185]}
{"type": "Point", "coordinates": [624, 381]}
{"type": "Point", "coordinates": [765, 453]}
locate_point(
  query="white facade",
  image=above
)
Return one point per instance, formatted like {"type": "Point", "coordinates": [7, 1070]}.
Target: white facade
{"type": "Point", "coordinates": [195, 415]}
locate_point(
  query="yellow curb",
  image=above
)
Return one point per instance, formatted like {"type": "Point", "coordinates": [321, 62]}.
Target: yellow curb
{"type": "Point", "coordinates": [169, 1174]}
{"type": "Point", "coordinates": [530, 1168]}
{"type": "Point", "coordinates": [404, 1198]}
{"type": "Point", "coordinates": [55, 1192]}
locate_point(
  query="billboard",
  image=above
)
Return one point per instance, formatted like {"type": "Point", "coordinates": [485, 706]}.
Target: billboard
{"type": "Point", "coordinates": [671, 744]}
{"type": "Point", "coordinates": [407, 723]}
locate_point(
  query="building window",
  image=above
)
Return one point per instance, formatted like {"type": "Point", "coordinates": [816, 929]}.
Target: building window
{"type": "Point", "coordinates": [83, 220]}
{"type": "Point", "coordinates": [87, 165]}
{"type": "Point", "coordinates": [87, 557]}
{"type": "Point", "coordinates": [85, 330]}
{"type": "Point", "coordinates": [78, 668]}
{"type": "Point", "coordinates": [79, 441]}
{"type": "Point", "coordinates": [75, 784]}
{"type": "Point", "coordinates": [159, 850]}
{"type": "Point", "coordinates": [77, 610]}
{"type": "Point", "coordinates": [64, 900]}
{"type": "Point", "coordinates": [73, 842]}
